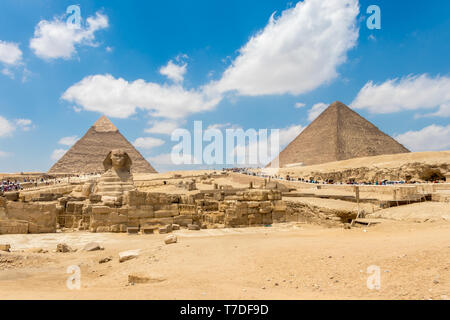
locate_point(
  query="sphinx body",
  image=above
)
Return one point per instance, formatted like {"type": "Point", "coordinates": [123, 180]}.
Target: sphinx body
{"type": "Point", "coordinates": [117, 178]}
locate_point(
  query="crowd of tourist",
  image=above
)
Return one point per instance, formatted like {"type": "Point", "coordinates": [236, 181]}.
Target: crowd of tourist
{"type": "Point", "coordinates": [8, 185]}
{"type": "Point", "coordinates": [252, 172]}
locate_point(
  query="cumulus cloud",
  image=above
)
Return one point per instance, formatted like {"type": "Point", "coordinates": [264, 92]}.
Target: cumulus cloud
{"type": "Point", "coordinates": [10, 54]}
{"type": "Point", "coordinates": [296, 52]}
{"type": "Point", "coordinates": [6, 127]}
{"type": "Point", "coordinates": [443, 111]}
{"type": "Point", "coordinates": [24, 124]}
{"type": "Point", "coordinates": [57, 154]}
{"type": "Point", "coordinates": [412, 92]}
{"type": "Point", "coordinates": [431, 138]}
{"type": "Point", "coordinates": [68, 141]}
{"type": "Point", "coordinates": [120, 98]}
{"type": "Point", "coordinates": [316, 110]}
{"type": "Point", "coordinates": [162, 126]}
{"type": "Point", "coordinates": [299, 105]}
{"type": "Point", "coordinates": [58, 39]}
{"type": "Point", "coordinates": [148, 142]}
{"type": "Point", "coordinates": [174, 71]}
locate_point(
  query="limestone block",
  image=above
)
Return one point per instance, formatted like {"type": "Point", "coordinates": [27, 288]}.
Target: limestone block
{"type": "Point", "coordinates": [171, 239]}
{"type": "Point", "coordinates": [103, 229]}
{"type": "Point", "coordinates": [101, 210]}
{"type": "Point", "coordinates": [274, 195]}
{"type": "Point", "coordinates": [187, 209]}
{"type": "Point", "coordinates": [183, 220]}
{"type": "Point", "coordinates": [166, 213]}
{"type": "Point", "coordinates": [256, 195]}
{"type": "Point", "coordinates": [13, 227]}
{"type": "Point", "coordinates": [144, 211]}
{"type": "Point", "coordinates": [5, 247]}
{"type": "Point", "coordinates": [193, 227]}
{"type": "Point", "coordinates": [128, 255]}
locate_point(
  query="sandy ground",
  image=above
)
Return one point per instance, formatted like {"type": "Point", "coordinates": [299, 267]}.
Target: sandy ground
{"type": "Point", "coordinates": [417, 212]}
{"type": "Point", "coordinates": [286, 261]}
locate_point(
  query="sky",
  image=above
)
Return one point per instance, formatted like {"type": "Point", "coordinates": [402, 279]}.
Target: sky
{"type": "Point", "coordinates": [152, 67]}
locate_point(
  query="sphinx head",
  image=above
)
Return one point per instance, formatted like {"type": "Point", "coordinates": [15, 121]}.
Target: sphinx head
{"type": "Point", "coordinates": [117, 159]}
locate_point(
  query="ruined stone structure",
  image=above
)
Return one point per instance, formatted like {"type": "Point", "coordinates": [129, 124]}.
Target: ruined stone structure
{"type": "Point", "coordinates": [87, 155]}
{"type": "Point", "coordinates": [339, 133]}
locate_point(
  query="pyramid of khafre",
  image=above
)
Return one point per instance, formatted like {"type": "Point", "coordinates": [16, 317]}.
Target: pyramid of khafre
{"type": "Point", "coordinates": [339, 133]}
{"type": "Point", "coordinates": [88, 154]}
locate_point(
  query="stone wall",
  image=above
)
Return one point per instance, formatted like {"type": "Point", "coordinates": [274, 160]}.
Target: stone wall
{"type": "Point", "coordinates": [17, 217]}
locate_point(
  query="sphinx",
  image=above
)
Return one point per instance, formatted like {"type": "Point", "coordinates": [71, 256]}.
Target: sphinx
{"type": "Point", "coordinates": [117, 178]}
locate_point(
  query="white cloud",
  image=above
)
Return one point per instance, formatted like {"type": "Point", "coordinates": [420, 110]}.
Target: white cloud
{"type": "Point", "coordinates": [431, 138]}
{"type": "Point", "coordinates": [24, 124]}
{"type": "Point", "coordinates": [290, 133]}
{"type": "Point", "coordinates": [68, 141]}
{"type": "Point", "coordinates": [120, 98]}
{"type": "Point", "coordinates": [162, 126]}
{"type": "Point", "coordinates": [10, 53]}
{"type": "Point", "coordinates": [148, 142]}
{"type": "Point", "coordinates": [297, 52]}
{"type": "Point", "coordinates": [6, 127]}
{"type": "Point", "coordinates": [7, 72]}
{"type": "Point", "coordinates": [57, 154]}
{"type": "Point", "coordinates": [316, 110]}
{"type": "Point", "coordinates": [174, 71]}
{"type": "Point", "coordinates": [407, 93]}
{"type": "Point", "coordinates": [57, 39]}
{"type": "Point", "coordinates": [4, 154]}
{"type": "Point", "coordinates": [299, 105]}
{"type": "Point", "coordinates": [294, 53]}
{"type": "Point", "coordinates": [443, 111]}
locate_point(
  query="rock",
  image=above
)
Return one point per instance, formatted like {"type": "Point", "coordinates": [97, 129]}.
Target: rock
{"type": "Point", "coordinates": [166, 229]}
{"type": "Point", "coordinates": [175, 227]}
{"type": "Point", "coordinates": [105, 260]}
{"type": "Point", "coordinates": [171, 239]}
{"type": "Point", "coordinates": [103, 229]}
{"type": "Point", "coordinates": [193, 227]}
{"type": "Point", "coordinates": [128, 255]}
{"type": "Point", "coordinates": [347, 226]}
{"type": "Point", "coordinates": [93, 246]}
{"type": "Point", "coordinates": [62, 247]}
{"type": "Point", "coordinates": [5, 247]}
{"type": "Point", "coordinates": [132, 230]}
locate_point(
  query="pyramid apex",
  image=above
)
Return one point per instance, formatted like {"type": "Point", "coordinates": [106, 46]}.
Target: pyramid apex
{"type": "Point", "coordinates": [103, 124]}
{"type": "Point", "coordinates": [338, 104]}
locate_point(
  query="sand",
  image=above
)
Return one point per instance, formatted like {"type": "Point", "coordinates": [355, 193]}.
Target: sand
{"type": "Point", "coordinates": [286, 261]}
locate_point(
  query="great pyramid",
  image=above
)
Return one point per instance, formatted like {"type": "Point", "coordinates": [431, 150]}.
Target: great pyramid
{"type": "Point", "coordinates": [339, 133]}
{"type": "Point", "coordinates": [88, 153]}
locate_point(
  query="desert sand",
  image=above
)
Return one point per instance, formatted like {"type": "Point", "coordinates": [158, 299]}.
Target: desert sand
{"type": "Point", "coordinates": [285, 261]}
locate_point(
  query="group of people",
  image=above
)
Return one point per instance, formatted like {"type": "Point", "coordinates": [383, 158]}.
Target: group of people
{"type": "Point", "coordinates": [8, 185]}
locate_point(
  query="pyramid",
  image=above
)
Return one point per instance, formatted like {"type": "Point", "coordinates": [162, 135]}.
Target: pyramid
{"type": "Point", "coordinates": [339, 133]}
{"type": "Point", "coordinates": [88, 153]}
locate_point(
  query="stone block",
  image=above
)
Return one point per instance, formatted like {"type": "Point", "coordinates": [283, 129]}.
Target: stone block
{"type": "Point", "coordinates": [133, 230]}
{"type": "Point", "coordinates": [13, 227]}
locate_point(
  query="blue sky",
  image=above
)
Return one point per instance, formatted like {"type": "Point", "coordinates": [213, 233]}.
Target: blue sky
{"type": "Point", "coordinates": [153, 66]}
